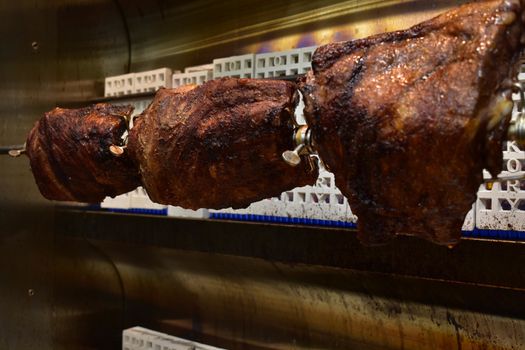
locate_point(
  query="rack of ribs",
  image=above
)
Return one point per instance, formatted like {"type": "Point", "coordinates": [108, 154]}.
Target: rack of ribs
{"type": "Point", "coordinates": [407, 121]}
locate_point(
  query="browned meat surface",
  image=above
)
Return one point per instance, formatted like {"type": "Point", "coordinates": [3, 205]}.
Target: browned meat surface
{"type": "Point", "coordinates": [69, 154]}
{"type": "Point", "coordinates": [219, 144]}
{"type": "Point", "coordinates": [408, 120]}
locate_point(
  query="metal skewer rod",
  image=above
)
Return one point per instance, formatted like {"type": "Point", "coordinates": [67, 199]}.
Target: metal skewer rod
{"type": "Point", "coordinates": [13, 150]}
{"type": "Point", "coordinates": [502, 178]}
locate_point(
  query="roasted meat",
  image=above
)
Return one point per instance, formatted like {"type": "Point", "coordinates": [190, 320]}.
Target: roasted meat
{"type": "Point", "coordinates": [407, 120]}
{"type": "Point", "coordinates": [219, 144]}
{"type": "Point", "coordinates": [70, 158]}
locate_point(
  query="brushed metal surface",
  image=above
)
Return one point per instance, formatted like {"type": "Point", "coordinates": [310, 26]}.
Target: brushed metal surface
{"type": "Point", "coordinates": [248, 303]}
{"type": "Point", "coordinates": [92, 43]}
{"type": "Point", "coordinates": [179, 34]}
{"type": "Point", "coordinates": [26, 220]}
{"type": "Point", "coordinates": [257, 286]}
{"type": "Point", "coordinates": [88, 298]}
{"type": "Point", "coordinates": [474, 261]}
{"type": "Point", "coordinates": [52, 295]}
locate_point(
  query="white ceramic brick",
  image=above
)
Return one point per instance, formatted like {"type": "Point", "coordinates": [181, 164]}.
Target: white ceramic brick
{"type": "Point", "coordinates": [119, 85]}
{"type": "Point", "coordinates": [199, 77]}
{"type": "Point", "coordinates": [322, 201]}
{"type": "Point", "coordinates": [470, 220]}
{"type": "Point", "coordinates": [140, 200]}
{"type": "Point", "coordinates": [179, 212]}
{"type": "Point", "coordinates": [194, 77]}
{"type": "Point", "coordinates": [202, 67]}
{"type": "Point", "coordinates": [119, 202]}
{"type": "Point", "coordinates": [178, 80]}
{"type": "Point", "coordinates": [502, 205]}
{"type": "Point", "coordinates": [299, 111]}
{"type": "Point", "coordinates": [152, 80]}
{"type": "Point", "coordinates": [283, 63]}
{"type": "Point", "coordinates": [138, 338]}
{"type": "Point", "coordinates": [235, 66]}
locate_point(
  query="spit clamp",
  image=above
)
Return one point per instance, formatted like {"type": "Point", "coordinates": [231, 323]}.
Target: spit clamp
{"type": "Point", "coordinates": [304, 147]}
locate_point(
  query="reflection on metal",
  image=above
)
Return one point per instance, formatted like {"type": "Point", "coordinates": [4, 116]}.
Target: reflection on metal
{"type": "Point", "coordinates": [248, 303]}
{"type": "Point", "coordinates": [319, 14]}
{"type": "Point", "coordinates": [53, 295]}
{"type": "Point", "coordinates": [26, 220]}
{"type": "Point", "coordinates": [171, 34]}
{"type": "Point", "coordinates": [253, 286]}
{"type": "Point", "coordinates": [13, 150]}
{"type": "Point", "coordinates": [303, 146]}
{"type": "Point", "coordinates": [88, 300]}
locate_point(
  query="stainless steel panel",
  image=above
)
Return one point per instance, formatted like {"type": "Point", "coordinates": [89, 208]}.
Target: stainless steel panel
{"type": "Point", "coordinates": [247, 303]}
{"type": "Point", "coordinates": [256, 286]}
{"type": "Point", "coordinates": [93, 43]}
{"type": "Point", "coordinates": [88, 298]}
{"type": "Point", "coordinates": [179, 34]}
{"type": "Point", "coordinates": [26, 221]}
{"type": "Point", "coordinates": [53, 295]}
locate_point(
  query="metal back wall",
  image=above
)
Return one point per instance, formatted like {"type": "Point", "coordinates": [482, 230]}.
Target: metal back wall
{"type": "Point", "coordinates": [180, 34]}
{"type": "Point", "coordinates": [54, 293]}
{"type": "Point", "coordinates": [255, 286]}
{"type": "Point", "coordinates": [25, 220]}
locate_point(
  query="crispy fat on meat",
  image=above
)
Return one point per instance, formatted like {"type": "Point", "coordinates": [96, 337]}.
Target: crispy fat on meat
{"type": "Point", "coordinates": [70, 158]}
{"type": "Point", "coordinates": [408, 120]}
{"type": "Point", "coordinates": [218, 145]}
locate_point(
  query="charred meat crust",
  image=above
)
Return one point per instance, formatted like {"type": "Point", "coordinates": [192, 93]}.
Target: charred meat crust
{"type": "Point", "coordinates": [402, 118]}
{"type": "Point", "coordinates": [69, 154]}
{"type": "Point", "coordinates": [219, 144]}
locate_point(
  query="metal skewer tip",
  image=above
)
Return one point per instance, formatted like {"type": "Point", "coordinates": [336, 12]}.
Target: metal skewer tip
{"type": "Point", "coordinates": [16, 152]}
{"type": "Point", "coordinates": [13, 151]}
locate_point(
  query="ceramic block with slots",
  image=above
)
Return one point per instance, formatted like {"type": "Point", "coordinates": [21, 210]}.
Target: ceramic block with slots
{"type": "Point", "coordinates": [152, 80]}
{"type": "Point", "coordinates": [122, 202]}
{"type": "Point", "coordinates": [140, 106]}
{"type": "Point", "coordinates": [140, 200]}
{"type": "Point", "coordinates": [501, 205]}
{"type": "Point", "coordinates": [199, 68]}
{"type": "Point", "coordinates": [138, 338]}
{"type": "Point", "coordinates": [119, 85]}
{"type": "Point", "coordinates": [178, 212]}
{"type": "Point", "coordinates": [321, 204]}
{"type": "Point", "coordinates": [194, 77]}
{"type": "Point", "coordinates": [284, 63]}
{"type": "Point", "coordinates": [235, 67]}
